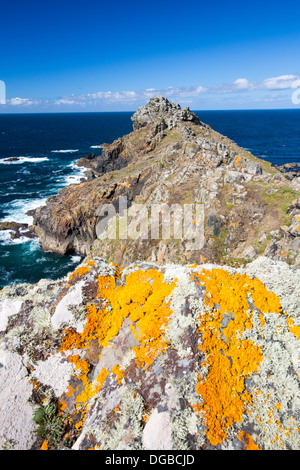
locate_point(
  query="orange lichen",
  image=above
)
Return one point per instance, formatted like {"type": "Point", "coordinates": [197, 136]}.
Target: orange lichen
{"type": "Point", "coordinates": [230, 359]}
{"type": "Point", "coordinates": [92, 388]}
{"type": "Point", "coordinates": [262, 319]}
{"type": "Point", "coordinates": [295, 329]}
{"type": "Point", "coordinates": [44, 446]}
{"type": "Point", "coordinates": [117, 408]}
{"type": "Point", "coordinates": [119, 373]}
{"type": "Point", "coordinates": [69, 393]}
{"type": "Point", "coordinates": [82, 270]}
{"type": "Point", "coordinates": [247, 441]}
{"type": "Point", "coordinates": [82, 365]}
{"type": "Point", "coordinates": [62, 405]}
{"type": "Point", "coordinates": [145, 417]}
{"type": "Point", "coordinates": [35, 384]}
{"type": "Point", "coordinates": [100, 379]}
{"type": "Point", "coordinates": [141, 299]}
{"type": "Point", "coordinates": [151, 315]}
{"type": "Point", "coordinates": [238, 161]}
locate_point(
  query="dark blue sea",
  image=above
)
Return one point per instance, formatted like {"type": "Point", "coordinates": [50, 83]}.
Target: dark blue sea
{"type": "Point", "coordinates": [48, 145]}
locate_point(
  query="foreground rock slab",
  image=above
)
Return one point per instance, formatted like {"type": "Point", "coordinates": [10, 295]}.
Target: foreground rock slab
{"type": "Point", "coordinates": [153, 357]}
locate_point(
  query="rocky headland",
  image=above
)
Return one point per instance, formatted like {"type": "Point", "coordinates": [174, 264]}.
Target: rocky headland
{"type": "Point", "coordinates": [150, 344]}
{"type": "Point", "coordinates": [251, 208]}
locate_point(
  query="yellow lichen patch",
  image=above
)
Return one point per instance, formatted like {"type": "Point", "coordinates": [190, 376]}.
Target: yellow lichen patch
{"type": "Point", "coordinates": [151, 318]}
{"type": "Point", "coordinates": [117, 408]}
{"type": "Point", "coordinates": [69, 393]}
{"type": "Point", "coordinates": [90, 388]}
{"type": "Point", "coordinates": [119, 373]}
{"type": "Point", "coordinates": [264, 300]}
{"type": "Point", "coordinates": [100, 379]}
{"type": "Point", "coordinates": [238, 161]}
{"type": "Point", "coordinates": [44, 446]}
{"type": "Point", "coordinates": [262, 319]}
{"type": "Point", "coordinates": [247, 441]}
{"type": "Point", "coordinates": [141, 299]}
{"type": "Point", "coordinates": [82, 270]}
{"type": "Point", "coordinates": [229, 358]}
{"type": "Point", "coordinates": [62, 405]}
{"type": "Point", "coordinates": [152, 342]}
{"type": "Point", "coordinates": [295, 329]}
{"type": "Point", "coordinates": [81, 365]}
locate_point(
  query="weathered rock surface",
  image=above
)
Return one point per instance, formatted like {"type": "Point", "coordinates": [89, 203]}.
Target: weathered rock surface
{"type": "Point", "coordinates": [172, 158]}
{"type": "Point", "coordinates": [168, 357]}
{"type": "Point", "coordinates": [290, 170]}
{"type": "Point", "coordinates": [161, 109]}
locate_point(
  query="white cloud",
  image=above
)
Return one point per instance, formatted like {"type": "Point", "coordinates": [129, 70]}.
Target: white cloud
{"type": "Point", "coordinates": [183, 92]}
{"type": "Point", "coordinates": [66, 101]}
{"type": "Point", "coordinates": [249, 90]}
{"type": "Point", "coordinates": [22, 101]}
{"type": "Point", "coordinates": [132, 96]}
{"type": "Point", "coordinates": [242, 83]}
{"type": "Point", "coordinates": [111, 96]}
{"type": "Point", "coordinates": [282, 82]}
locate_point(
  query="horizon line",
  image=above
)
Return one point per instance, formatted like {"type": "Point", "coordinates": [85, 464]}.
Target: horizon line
{"type": "Point", "coordinates": [133, 111]}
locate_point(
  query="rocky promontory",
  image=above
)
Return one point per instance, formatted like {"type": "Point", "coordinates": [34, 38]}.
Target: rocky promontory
{"type": "Point", "coordinates": [171, 157]}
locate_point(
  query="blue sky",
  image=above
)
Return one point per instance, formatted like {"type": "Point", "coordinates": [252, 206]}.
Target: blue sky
{"type": "Point", "coordinates": [66, 56]}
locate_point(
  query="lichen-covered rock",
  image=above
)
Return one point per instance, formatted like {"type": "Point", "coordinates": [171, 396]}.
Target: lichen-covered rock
{"type": "Point", "coordinates": [16, 412]}
{"type": "Point", "coordinates": [153, 357]}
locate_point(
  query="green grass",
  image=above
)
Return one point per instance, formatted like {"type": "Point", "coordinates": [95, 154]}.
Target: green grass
{"type": "Point", "coordinates": [276, 197]}
{"type": "Point", "coordinates": [281, 199]}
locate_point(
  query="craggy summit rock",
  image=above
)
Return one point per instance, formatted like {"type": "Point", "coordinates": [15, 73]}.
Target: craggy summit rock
{"type": "Point", "coordinates": [160, 108]}
{"type": "Point", "coordinates": [194, 357]}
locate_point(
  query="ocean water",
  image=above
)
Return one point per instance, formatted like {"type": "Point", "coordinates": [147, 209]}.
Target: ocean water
{"type": "Point", "coordinates": [273, 135]}
{"type": "Point", "coordinates": [47, 146]}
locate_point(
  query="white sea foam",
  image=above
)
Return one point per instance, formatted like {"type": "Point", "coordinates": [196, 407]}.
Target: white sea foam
{"type": "Point", "coordinates": [76, 258]}
{"type": "Point", "coordinates": [76, 176]}
{"type": "Point", "coordinates": [7, 161]}
{"type": "Point", "coordinates": [16, 210]}
{"type": "Point", "coordinates": [96, 147]}
{"type": "Point", "coordinates": [65, 151]}
{"type": "Point", "coordinates": [5, 238]}
{"type": "Point", "coordinates": [72, 179]}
